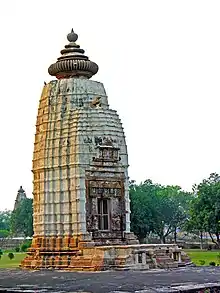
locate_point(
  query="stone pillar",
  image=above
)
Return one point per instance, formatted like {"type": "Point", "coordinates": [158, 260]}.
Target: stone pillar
{"type": "Point", "coordinates": [82, 202]}
{"type": "Point", "coordinates": [136, 258]}
{"type": "Point", "coordinates": [144, 260]}
{"type": "Point", "coordinates": [179, 257]}
{"type": "Point", "coordinates": [127, 204]}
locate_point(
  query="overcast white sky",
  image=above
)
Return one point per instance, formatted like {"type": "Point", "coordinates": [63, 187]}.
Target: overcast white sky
{"type": "Point", "coordinates": [159, 62]}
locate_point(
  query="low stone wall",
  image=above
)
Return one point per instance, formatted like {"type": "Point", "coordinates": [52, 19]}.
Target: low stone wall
{"type": "Point", "coordinates": [186, 244]}
{"type": "Point", "coordinates": [10, 243]}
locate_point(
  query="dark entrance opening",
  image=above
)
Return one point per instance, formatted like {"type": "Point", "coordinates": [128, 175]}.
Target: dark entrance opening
{"type": "Point", "coordinates": [103, 214]}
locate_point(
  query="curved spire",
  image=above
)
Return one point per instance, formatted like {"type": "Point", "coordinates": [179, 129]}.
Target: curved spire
{"type": "Point", "coordinates": [73, 62]}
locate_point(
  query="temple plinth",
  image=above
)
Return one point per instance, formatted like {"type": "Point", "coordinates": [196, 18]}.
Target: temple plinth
{"type": "Point", "coordinates": [80, 169]}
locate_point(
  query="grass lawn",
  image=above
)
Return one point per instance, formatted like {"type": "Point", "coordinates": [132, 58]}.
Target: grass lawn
{"type": "Point", "coordinates": [197, 255]}
{"type": "Point", "coordinates": [5, 262]}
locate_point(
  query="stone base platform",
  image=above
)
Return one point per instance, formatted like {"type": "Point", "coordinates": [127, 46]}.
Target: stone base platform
{"type": "Point", "coordinates": [113, 257]}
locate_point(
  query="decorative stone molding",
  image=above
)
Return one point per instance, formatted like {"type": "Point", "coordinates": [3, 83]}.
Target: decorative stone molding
{"type": "Point", "coordinates": [73, 62]}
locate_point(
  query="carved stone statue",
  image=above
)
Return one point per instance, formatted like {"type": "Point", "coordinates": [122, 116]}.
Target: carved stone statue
{"type": "Point", "coordinates": [116, 222]}
{"type": "Point", "coordinates": [92, 223]}
{"type": "Point", "coordinates": [96, 102]}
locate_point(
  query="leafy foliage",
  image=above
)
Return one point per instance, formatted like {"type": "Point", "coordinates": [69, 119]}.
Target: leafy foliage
{"type": "Point", "coordinates": [141, 212]}
{"type": "Point", "coordinates": [26, 245]}
{"type": "Point", "coordinates": [17, 249]}
{"type": "Point", "coordinates": [22, 218]}
{"type": "Point", "coordinates": [4, 233]}
{"type": "Point", "coordinates": [11, 255]}
{"type": "Point", "coordinates": [202, 262]}
{"type": "Point", "coordinates": [5, 217]}
{"type": "Point", "coordinates": [205, 208]}
{"type": "Point", "coordinates": [158, 209]}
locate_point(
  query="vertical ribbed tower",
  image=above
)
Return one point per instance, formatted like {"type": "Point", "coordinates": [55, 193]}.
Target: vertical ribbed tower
{"type": "Point", "coordinates": [21, 195]}
{"type": "Point", "coordinates": [80, 161]}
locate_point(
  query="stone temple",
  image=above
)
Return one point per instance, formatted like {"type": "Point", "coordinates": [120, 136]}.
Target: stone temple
{"type": "Point", "coordinates": [20, 196]}
{"type": "Point", "coordinates": [80, 169]}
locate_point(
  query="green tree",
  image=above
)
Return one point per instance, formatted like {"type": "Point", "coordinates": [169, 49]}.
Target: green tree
{"type": "Point", "coordinates": [205, 209]}
{"type": "Point", "coordinates": [141, 208]}
{"type": "Point", "coordinates": [195, 221]}
{"type": "Point", "coordinates": [5, 217]}
{"type": "Point", "coordinates": [22, 218]}
{"type": "Point", "coordinates": [158, 209]}
{"type": "Point", "coordinates": [4, 233]}
{"type": "Point", "coordinates": [169, 211]}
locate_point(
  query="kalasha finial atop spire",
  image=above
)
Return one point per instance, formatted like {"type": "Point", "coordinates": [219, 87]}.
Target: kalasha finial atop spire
{"type": "Point", "coordinates": [73, 62]}
{"type": "Point", "coordinates": [72, 37]}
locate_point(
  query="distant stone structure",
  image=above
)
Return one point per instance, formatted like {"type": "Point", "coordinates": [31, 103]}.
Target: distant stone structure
{"type": "Point", "coordinates": [20, 196]}
{"type": "Point", "coordinates": [80, 168]}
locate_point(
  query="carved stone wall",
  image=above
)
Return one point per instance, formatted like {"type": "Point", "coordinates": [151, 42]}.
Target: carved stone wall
{"type": "Point", "coordinates": [112, 189]}
{"type": "Point", "coordinates": [76, 134]}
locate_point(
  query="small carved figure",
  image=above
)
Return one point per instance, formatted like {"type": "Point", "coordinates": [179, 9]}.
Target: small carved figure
{"type": "Point", "coordinates": [95, 222]}
{"type": "Point", "coordinates": [87, 140]}
{"type": "Point", "coordinates": [98, 140]}
{"type": "Point", "coordinates": [107, 141]}
{"type": "Point", "coordinates": [37, 254]}
{"type": "Point", "coordinates": [92, 223]}
{"type": "Point", "coordinates": [116, 222]}
{"type": "Point", "coordinates": [96, 102]}
{"type": "Point", "coordinates": [89, 223]}
{"type": "Point", "coordinates": [81, 102]}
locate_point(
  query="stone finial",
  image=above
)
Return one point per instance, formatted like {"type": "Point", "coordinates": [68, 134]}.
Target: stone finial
{"type": "Point", "coordinates": [73, 62]}
{"type": "Point", "coordinates": [20, 190]}
{"type": "Point", "coordinates": [72, 36]}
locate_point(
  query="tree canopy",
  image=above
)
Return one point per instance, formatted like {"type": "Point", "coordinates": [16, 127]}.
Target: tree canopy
{"type": "Point", "coordinates": [5, 217]}
{"type": "Point", "coordinates": [158, 209]}
{"type": "Point", "coordinates": [22, 218]}
{"type": "Point", "coordinates": [205, 208]}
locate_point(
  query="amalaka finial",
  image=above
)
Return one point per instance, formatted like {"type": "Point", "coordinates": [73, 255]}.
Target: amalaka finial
{"type": "Point", "coordinates": [73, 62]}
{"type": "Point", "coordinates": [72, 37]}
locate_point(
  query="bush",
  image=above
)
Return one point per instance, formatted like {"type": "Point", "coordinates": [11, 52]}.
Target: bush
{"type": "Point", "coordinates": [26, 245]}
{"type": "Point", "coordinates": [194, 246]}
{"type": "Point", "coordinates": [17, 249]}
{"type": "Point", "coordinates": [212, 263]}
{"type": "Point", "coordinates": [1, 252]}
{"type": "Point", "coordinates": [4, 233]}
{"type": "Point", "coordinates": [202, 262]}
{"type": "Point", "coordinates": [11, 255]}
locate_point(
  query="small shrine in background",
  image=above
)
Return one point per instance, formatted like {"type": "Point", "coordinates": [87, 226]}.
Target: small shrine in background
{"type": "Point", "coordinates": [21, 194]}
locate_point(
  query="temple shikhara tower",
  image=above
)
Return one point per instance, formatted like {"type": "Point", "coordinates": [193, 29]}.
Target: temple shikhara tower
{"type": "Point", "coordinates": [80, 169]}
{"type": "Point", "coordinates": [20, 196]}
